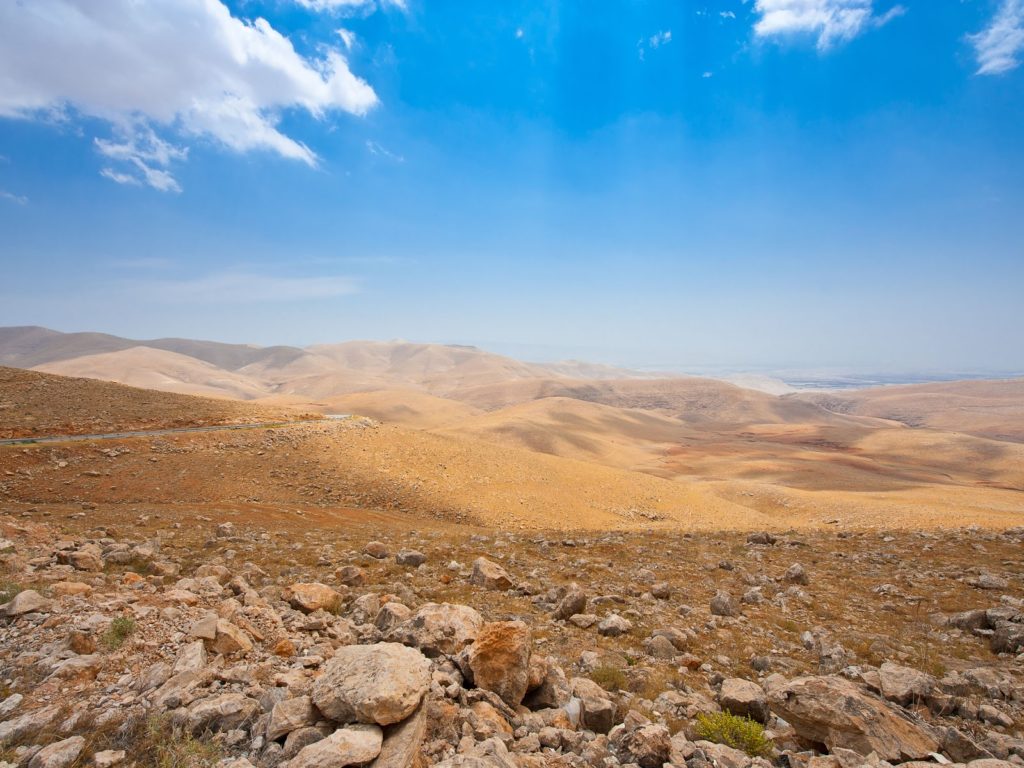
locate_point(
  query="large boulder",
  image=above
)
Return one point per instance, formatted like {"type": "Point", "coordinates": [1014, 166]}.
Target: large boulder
{"type": "Point", "coordinates": [355, 745]}
{"type": "Point", "coordinates": [499, 660]}
{"type": "Point", "coordinates": [439, 628]}
{"type": "Point", "coordinates": [835, 712]}
{"type": "Point", "coordinates": [381, 684]}
{"type": "Point", "coordinates": [26, 601]}
{"type": "Point", "coordinates": [490, 575]}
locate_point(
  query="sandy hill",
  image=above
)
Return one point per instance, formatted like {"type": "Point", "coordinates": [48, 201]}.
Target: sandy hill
{"type": "Point", "coordinates": [160, 370]}
{"type": "Point", "coordinates": [619, 437]}
{"type": "Point", "coordinates": [985, 408]}
{"type": "Point", "coordinates": [33, 403]}
{"type": "Point", "coordinates": [694, 400]}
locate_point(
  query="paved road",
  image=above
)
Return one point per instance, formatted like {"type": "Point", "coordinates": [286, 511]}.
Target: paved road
{"type": "Point", "coordinates": [150, 432]}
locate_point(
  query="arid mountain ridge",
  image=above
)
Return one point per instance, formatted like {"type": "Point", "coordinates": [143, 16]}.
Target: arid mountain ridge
{"type": "Point", "coordinates": [465, 434]}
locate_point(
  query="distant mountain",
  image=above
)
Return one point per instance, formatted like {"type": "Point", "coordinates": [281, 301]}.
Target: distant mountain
{"type": "Point", "coordinates": [246, 371]}
{"type": "Point", "coordinates": [29, 346]}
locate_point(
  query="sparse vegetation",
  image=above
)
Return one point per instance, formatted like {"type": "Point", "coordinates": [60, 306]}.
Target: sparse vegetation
{"type": "Point", "coordinates": [120, 629]}
{"type": "Point", "coordinates": [609, 677]}
{"type": "Point", "coordinates": [737, 732]}
{"type": "Point", "coordinates": [8, 589]}
{"type": "Point", "coordinates": [163, 746]}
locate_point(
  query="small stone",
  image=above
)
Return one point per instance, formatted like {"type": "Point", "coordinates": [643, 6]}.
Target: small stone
{"type": "Point", "coordinates": [376, 549]}
{"type": "Point", "coordinates": [796, 574]}
{"type": "Point", "coordinates": [574, 601]}
{"type": "Point", "coordinates": [614, 625]}
{"type": "Point", "coordinates": [410, 558]}
{"type": "Point", "coordinates": [723, 604]}
{"type": "Point", "coordinates": [310, 597]}
{"type": "Point", "coordinates": [490, 575]}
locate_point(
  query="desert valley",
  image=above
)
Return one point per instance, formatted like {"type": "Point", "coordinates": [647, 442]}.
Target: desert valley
{"type": "Point", "coordinates": [403, 554]}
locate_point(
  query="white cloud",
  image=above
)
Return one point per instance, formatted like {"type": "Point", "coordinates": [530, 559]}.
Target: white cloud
{"type": "Point", "coordinates": [999, 45]}
{"type": "Point", "coordinates": [348, 6]}
{"type": "Point", "coordinates": [380, 151]}
{"type": "Point", "coordinates": [833, 21]}
{"type": "Point", "coordinates": [661, 38]}
{"type": "Point", "coordinates": [348, 37]}
{"type": "Point", "coordinates": [13, 198]}
{"type": "Point", "coordinates": [241, 288]}
{"type": "Point", "coordinates": [182, 66]}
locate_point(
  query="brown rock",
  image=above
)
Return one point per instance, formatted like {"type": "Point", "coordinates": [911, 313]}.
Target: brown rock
{"type": "Point", "coordinates": [499, 660]}
{"type": "Point", "coordinates": [490, 575]}
{"type": "Point", "coordinates": [835, 712]}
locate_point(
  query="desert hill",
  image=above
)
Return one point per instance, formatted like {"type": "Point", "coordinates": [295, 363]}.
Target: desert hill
{"type": "Point", "coordinates": [33, 403]}
{"type": "Point", "coordinates": [158, 369]}
{"type": "Point", "coordinates": [986, 408]}
{"type": "Point", "coordinates": [29, 346]}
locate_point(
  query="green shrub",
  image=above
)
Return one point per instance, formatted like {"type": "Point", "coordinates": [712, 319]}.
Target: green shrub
{"type": "Point", "coordinates": [736, 732]}
{"type": "Point", "coordinates": [118, 631]}
{"type": "Point", "coordinates": [608, 677]}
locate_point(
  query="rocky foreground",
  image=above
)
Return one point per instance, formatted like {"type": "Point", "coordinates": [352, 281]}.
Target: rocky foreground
{"type": "Point", "coordinates": [193, 644]}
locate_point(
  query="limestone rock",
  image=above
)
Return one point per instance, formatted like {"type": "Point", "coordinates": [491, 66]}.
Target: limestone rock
{"type": "Point", "coordinates": [354, 745]}
{"type": "Point", "coordinates": [313, 596]}
{"type": "Point", "coordinates": [439, 628]}
{"type": "Point", "coordinates": [490, 575]}
{"type": "Point", "coordinates": [835, 712]}
{"type": "Point", "coordinates": [61, 754]}
{"type": "Point", "coordinates": [723, 604]}
{"type": "Point", "coordinates": [614, 625]}
{"type": "Point", "coordinates": [904, 685]}
{"type": "Point", "coordinates": [221, 713]}
{"type": "Point", "coordinates": [402, 742]}
{"type": "Point", "coordinates": [744, 698]}
{"type": "Point", "coordinates": [597, 710]}
{"type": "Point", "coordinates": [573, 601]}
{"type": "Point", "coordinates": [290, 715]}
{"type": "Point", "coordinates": [411, 558]}
{"type": "Point", "coordinates": [26, 601]}
{"type": "Point", "coordinates": [381, 683]}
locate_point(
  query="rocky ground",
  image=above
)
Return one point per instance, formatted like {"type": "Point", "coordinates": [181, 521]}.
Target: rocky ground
{"type": "Point", "coordinates": [156, 635]}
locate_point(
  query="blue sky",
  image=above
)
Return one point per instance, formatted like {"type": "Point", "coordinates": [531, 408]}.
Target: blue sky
{"type": "Point", "coordinates": [770, 183]}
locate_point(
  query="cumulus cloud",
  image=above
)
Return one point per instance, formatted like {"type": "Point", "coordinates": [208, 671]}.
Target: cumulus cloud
{"type": "Point", "coordinates": [186, 67]}
{"type": "Point", "coordinates": [833, 21]}
{"type": "Point", "coordinates": [999, 45]}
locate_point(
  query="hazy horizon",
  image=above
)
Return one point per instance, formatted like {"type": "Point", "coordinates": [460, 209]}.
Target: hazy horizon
{"type": "Point", "coordinates": [752, 186]}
